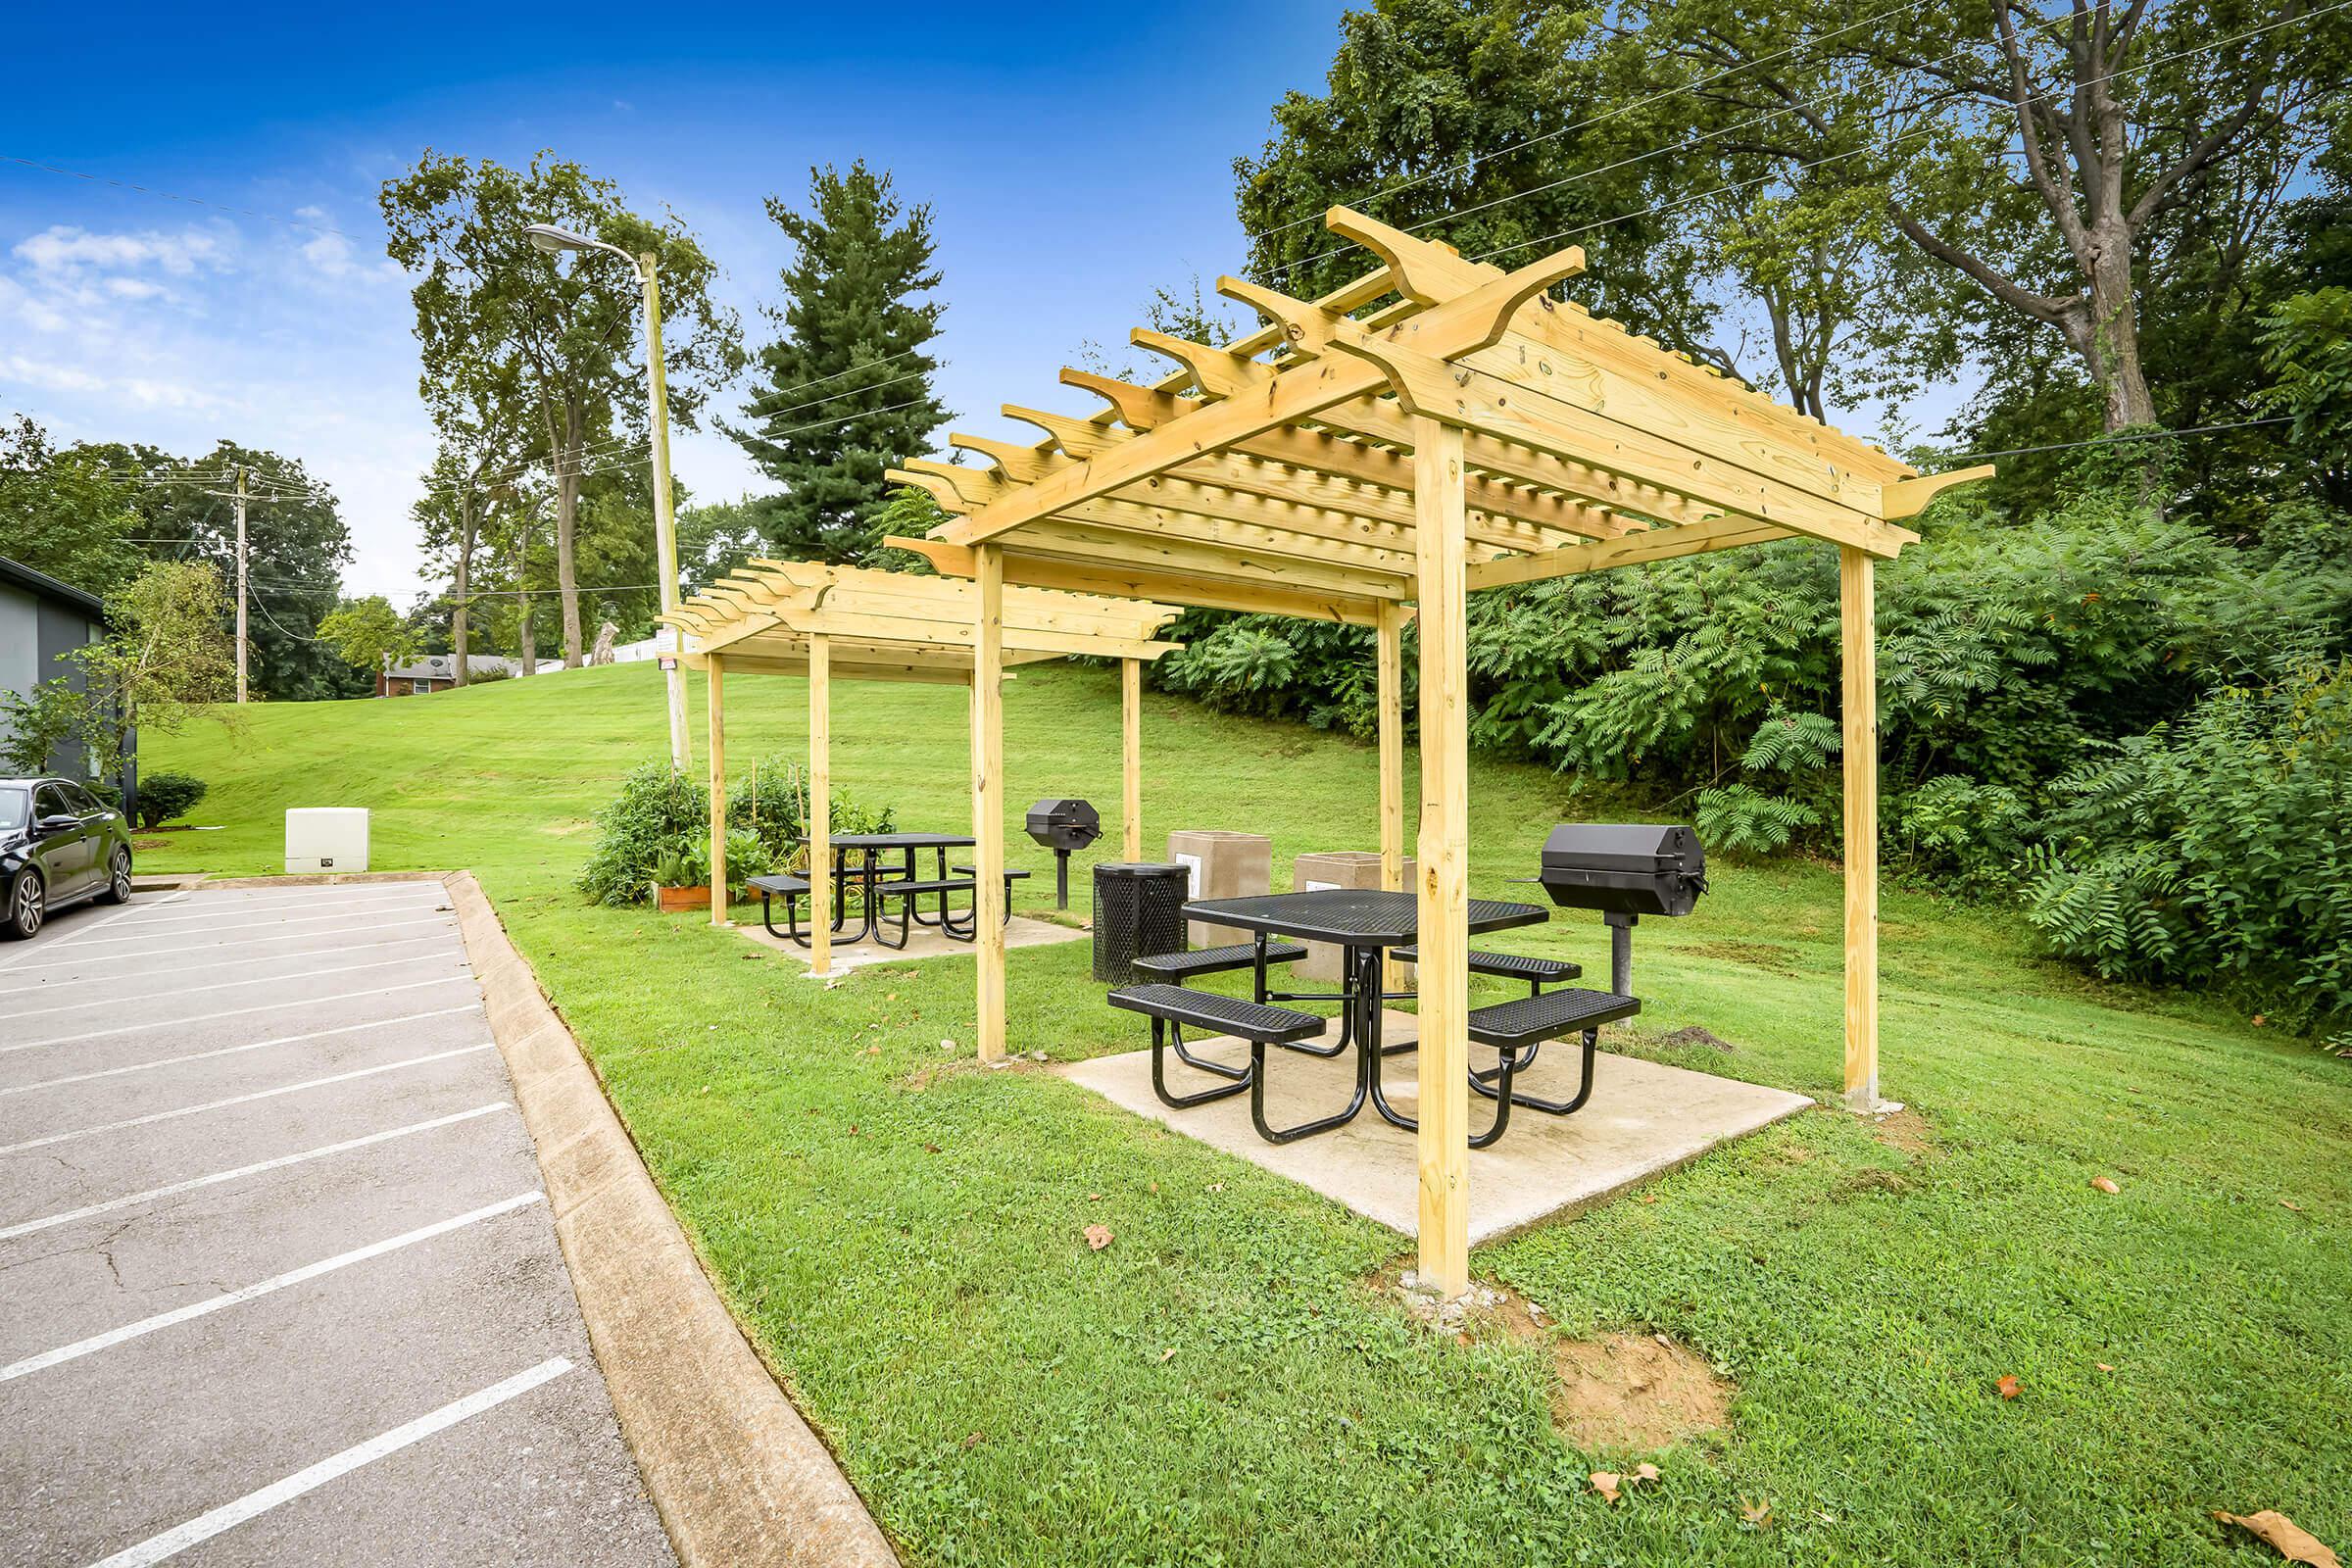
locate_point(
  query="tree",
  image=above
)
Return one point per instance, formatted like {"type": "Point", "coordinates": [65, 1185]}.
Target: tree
{"type": "Point", "coordinates": [845, 391]}
{"type": "Point", "coordinates": [167, 656]}
{"type": "Point", "coordinates": [369, 635]}
{"type": "Point", "coordinates": [547, 354]}
{"type": "Point", "coordinates": [65, 512]}
{"type": "Point", "coordinates": [716, 539]}
{"type": "Point", "coordinates": [2045, 160]}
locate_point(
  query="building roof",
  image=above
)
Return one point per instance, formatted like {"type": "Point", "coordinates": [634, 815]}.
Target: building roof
{"type": "Point", "coordinates": [42, 585]}
{"type": "Point", "coordinates": [444, 667]}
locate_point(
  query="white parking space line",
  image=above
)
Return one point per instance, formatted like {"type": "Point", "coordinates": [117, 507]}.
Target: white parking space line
{"type": "Point", "coordinates": [213, 923]}
{"type": "Point", "coordinates": [231, 1051]}
{"type": "Point", "coordinates": [236, 1100]}
{"type": "Point", "coordinates": [132, 1199]}
{"type": "Point", "coordinates": [237, 1013]}
{"type": "Point", "coordinates": [261, 1288]}
{"type": "Point", "coordinates": [210, 967]}
{"type": "Point", "coordinates": [304, 898]}
{"type": "Point", "coordinates": [174, 992]}
{"type": "Point", "coordinates": [254, 1504]}
{"type": "Point", "coordinates": [249, 942]}
{"type": "Point", "coordinates": [308, 909]}
{"type": "Point", "coordinates": [98, 925]}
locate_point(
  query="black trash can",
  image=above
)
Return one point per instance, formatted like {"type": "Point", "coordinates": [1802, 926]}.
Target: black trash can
{"type": "Point", "coordinates": [1139, 912]}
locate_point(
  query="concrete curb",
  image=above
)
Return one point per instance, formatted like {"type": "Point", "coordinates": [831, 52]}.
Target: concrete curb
{"type": "Point", "coordinates": [738, 1479]}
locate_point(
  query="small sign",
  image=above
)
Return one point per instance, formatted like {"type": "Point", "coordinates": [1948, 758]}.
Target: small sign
{"type": "Point", "coordinates": [666, 639]}
{"type": "Point", "coordinates": [669, 663]}
{"type": "Point", "coordinates": [1191, 874]}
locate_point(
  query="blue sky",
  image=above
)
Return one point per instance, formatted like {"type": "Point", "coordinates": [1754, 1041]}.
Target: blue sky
{"type": "Point", "coordinates": [1074, 162]}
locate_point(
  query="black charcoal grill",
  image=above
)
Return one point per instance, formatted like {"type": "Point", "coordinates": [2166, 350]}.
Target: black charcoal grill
{"type": "Point", "coordinates": [1626, 870]}
{"type": "Point", "coordinates": [1063, 826]}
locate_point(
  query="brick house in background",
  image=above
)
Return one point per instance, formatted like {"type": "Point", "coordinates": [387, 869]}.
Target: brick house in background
{"type": "Point", "coordinates": [439, 671]}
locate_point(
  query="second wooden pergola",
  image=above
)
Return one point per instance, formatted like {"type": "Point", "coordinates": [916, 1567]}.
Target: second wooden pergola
{"type": "Point", "coordinates": [1436, 427]}
{"type": "Point", "coordinates": [788, 618]}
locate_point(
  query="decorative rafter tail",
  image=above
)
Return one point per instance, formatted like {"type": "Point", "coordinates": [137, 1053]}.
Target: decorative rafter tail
{"type": "Point", "coordinates": [1423, 271]}
{"type": "Point", "coordinates": [1907, 498]}
{"type": "Point", "coordinates": [1139, 408]}
{"type": "Point", "coordinates": [1080, 438]}
{"type": "Point", "coordinates": [1017, 463]}
{"type": "Point", "coordinates": [1217, 373]}
{"type": "Point", "coordinates": [1305, 327]}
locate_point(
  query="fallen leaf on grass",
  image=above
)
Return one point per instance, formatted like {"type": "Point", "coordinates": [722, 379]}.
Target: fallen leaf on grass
{"type": "Point", "coordinates": [947, 1045]}
{"type": "Point", "coordinates": [2009, 1386]}
{"type": "Point", "coordinates": [2289, 1202]}
{"type": "Point", "coordinates": [1606, 1482]}
{"type": "Point", "coordinates": [873, 1050]}
{"type": "Point", "coordinates": [974, 1441]}
{"type": "Point", "coordinates": [2290, 1540]}
{"type": "Point", "coordinates": [930, 1148]}
{"type": "Point", "coordinates": [2106, 1183]}
{"type": "Point", "coordinates": [1168, 1355]}
{"type": "Point", "coordinates": [2102, 1366]}
{"type": "Point", "coordinates": [1757, 1513]}
{"type": "Point", "coordinates": [1097, 1237]}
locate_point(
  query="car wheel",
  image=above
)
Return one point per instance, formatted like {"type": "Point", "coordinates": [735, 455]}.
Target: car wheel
{"type": "Point", "coordinates": [26, 907]}
{"type": "Point", "coordinates": [118, 879]}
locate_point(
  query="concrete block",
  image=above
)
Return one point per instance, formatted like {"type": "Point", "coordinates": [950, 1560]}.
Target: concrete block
{"type": "Point", "coordinates": [1337, 868]}
{"type": "Point", "coordinates": [1222, 864]}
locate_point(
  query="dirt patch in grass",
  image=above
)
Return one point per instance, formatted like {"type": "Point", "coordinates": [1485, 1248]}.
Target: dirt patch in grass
{"type": "Point", "coordinates": [1615, 1393]}
{"type": "Point", "coordinates": [1908, 1131]}
{"type": "Point", "coordinates": [1634, 1392]}
{"type": "Point", "coordinates": [1754, 955]}
{"type": "Point", "coordinates": [1694, 1034]}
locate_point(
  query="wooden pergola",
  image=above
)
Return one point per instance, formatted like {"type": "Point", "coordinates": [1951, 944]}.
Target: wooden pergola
{"type": "Point", "coordinates": [788, 618]}
{"type": "Point", "coordinates": [1437, 426]}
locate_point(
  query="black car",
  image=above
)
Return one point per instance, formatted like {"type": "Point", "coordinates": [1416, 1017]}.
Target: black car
{"type": "Point", "coordinates": [58, 845]}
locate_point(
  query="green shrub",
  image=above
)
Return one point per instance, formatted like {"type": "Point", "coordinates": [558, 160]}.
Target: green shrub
{"type": "Point", "coordinates": [165, 796]}
{"type": "Point", "coordinates": [2216, 851]}
{"type": "Point", "coordinates": [682, 863]}
{"type": "Point", "coordinates": [658, 808]}
{"type": "Point", "coordinates": [772, 802]}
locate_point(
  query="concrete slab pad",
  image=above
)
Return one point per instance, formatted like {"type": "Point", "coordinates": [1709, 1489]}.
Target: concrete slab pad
{"type": "Point", "coordinates": [1019, 932]}
{"type": "Point", "coordinates": [1643, 1119]}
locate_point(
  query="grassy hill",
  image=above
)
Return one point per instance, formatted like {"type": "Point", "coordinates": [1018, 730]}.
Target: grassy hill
{"type": "Point", "coordinates": [900, 1232]}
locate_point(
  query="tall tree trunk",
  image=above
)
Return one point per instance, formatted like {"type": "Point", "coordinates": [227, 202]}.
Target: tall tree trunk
{"type": "Point", "coordinates": [528, 649]}
{"type": "Point", "coordinates": [567, 510]}
{"type": "Point", "coordinates": [457, 626]}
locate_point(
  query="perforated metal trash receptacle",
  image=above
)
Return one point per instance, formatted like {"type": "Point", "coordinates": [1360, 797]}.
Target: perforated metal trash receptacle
{"type": "Point", "coordinates": [1139, 912]}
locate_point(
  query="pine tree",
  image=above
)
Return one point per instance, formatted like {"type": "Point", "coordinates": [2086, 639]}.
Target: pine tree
{"type": "Point", "coordinates": [844, 392]}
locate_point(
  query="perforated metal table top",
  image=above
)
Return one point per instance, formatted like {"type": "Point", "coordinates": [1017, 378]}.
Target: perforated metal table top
{"type": "Point", "coordinates": [1354, 917]}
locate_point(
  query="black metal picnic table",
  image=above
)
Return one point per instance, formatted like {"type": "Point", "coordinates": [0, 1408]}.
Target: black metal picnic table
{"type": "Point", "coordinates": [871, 873]}
{"type": "Point", "coordinates": [1364, 923]}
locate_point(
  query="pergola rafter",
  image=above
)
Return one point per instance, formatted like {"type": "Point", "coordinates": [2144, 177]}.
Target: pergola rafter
{"type": "Point", "coordinates": [790, 618]}
{"type": "Point", "coordinates": [1437, 427]}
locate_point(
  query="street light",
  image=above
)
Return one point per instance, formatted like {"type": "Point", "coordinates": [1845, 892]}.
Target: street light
{"type": "Point", "coordinates": [553, 240]}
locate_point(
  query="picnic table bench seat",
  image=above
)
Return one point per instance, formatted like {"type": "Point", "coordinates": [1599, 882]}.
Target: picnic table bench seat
{"type": "Point", "coordinates": [1537, 972]}
{"type": "Point", "coordinates": [1180, 966]}
{"type": "Point", "coordinates": [1518, 1029]}
{"type": "Point", "coordinates": [1171, 1007]}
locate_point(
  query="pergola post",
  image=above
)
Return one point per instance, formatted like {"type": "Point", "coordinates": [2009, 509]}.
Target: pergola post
{"type": "Point", "coordinates": [819, 826]}
{"type": "Point", "coordinates": [1440, 553]}
{"type": "Point", "coordinates": [1131, 758]}
{"type": "Point", "coordinates": [1858, 635]}
{"type": "Point", "coordinates": [1388, 631]}
{"type": "Point", "coordinates": [716, 704]}
{"type": "Point", "coordinates": [988, 798]}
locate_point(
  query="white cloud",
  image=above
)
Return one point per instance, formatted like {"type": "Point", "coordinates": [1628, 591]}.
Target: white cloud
{"type": "Point", "coordinates": [134, 288]}
{"type": "Point", "coordinates": [63, 249]}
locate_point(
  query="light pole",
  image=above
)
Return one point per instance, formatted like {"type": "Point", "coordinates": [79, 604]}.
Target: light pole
{"type": "Point", "coordinates": [552, 240]}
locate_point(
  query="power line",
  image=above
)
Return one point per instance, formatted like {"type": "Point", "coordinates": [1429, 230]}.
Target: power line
{"type": "Point", "coordinates": [1592, 120]}
{"type": "Point", "coordinates": [753, 407]}
{"type": "Point", "coordinates": [912, 375]}
{"type": "Point", "coordinates": [2121, 436]}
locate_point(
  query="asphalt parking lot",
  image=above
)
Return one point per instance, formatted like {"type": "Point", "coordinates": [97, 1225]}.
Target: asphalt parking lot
{"type": "Point", "coordinates": [277, 1279]}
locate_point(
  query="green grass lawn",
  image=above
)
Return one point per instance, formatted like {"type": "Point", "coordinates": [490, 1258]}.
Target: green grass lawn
{"type": "Point", "coordinates": [900, 1230]}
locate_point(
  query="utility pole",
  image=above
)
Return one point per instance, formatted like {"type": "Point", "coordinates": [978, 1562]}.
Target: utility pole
{"type": "Point", "coordinates": [240, 585]}
{"type": "Point", "coordinates": [665, 524]}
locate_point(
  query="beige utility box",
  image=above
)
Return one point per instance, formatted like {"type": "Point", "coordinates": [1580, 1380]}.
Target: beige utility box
{"type": "Point", "coordinates": [326, 838]}
{"type": "Point", "coordinates": [1222, 865]}
{"type": "Point", "coordinates": [1337, 868]}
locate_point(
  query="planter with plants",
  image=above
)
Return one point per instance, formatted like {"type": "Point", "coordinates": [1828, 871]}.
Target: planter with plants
{"type": "Point", "coordinates": [681, 878]}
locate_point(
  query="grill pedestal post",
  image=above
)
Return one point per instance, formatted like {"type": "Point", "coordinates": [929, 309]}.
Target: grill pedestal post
{"type": "Point", "coordinates": [1061, 879]}
{"type": "Point", "coordinates": [1621, 950]}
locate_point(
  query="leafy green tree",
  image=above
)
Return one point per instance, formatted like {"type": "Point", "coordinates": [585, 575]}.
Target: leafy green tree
{"type": "Point", "coordinates": [844, 390]}
{"type": "Point", "coordinates": [545, 352]}
{"type": "Point", "coordinates": [63, 513]}
{"type": "Point", "coordinates": [369, 635]}
{"type": "Point", "coordinates": [167, 657]}
{"type": "Point", "coordinates": [715, 539]}
{"type": "Point", "coordinates": [2307, 344]}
